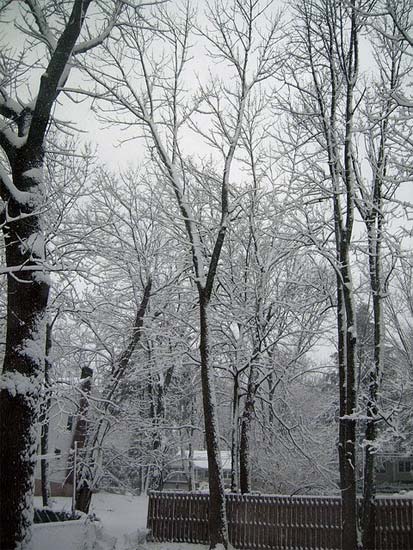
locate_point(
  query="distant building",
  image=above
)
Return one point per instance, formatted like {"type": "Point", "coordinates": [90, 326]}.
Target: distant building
{"type": "Point", "coordinates": [61, 429]}
{"type": "Point", "coordinates": [67, 421]}
{"type": "Point", "coordinates": [394, 472]}
{"type": "Point", "coordinates": [178, 471]}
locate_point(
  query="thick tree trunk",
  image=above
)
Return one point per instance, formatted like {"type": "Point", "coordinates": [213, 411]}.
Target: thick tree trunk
{"type": "Point", "coordinates": [347, 430]}
{"type": "Point", "coordinates": [235, 437]}
{"type": "Point", "coordinates": [44, 464]}
{"type": "Point", "coordinates": [190, 432]}
{"type": "Point", "coordinates": [83, 481]}
{"type": "Point", "coordinates": [374, 379]}
{"type": "Point", "coordinates": [369, 481]}
{"type": "Point", "coordinates": [191, 480]}
{"type": "Point", "coordinates": [369, 489]}
{"type": "Point", "coordinates": [155, 413]}
{"type": "Point", "coordinates": [244, 448]}
{"type": "Point", "coordinates": [158, 412]}
{"type": "Point", "coordinates": [349, 483]}
{"type": "Point", "coordinates": [23, 367]}
{"type": "Point", "coordinates": [44, 420]}
{"type": "Point", "coordinates": [342, 380]}
{"type": "Point", "coordinates": [218, 528]}
{"type": "Point", "coordinates": [350, 528]}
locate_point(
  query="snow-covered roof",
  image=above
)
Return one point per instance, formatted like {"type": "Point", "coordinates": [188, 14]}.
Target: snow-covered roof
{"type": "Point", "coordinates": [200, 459]}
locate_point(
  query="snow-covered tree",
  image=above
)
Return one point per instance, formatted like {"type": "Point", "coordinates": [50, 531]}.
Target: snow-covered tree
{"type": "Point", "coordinates": [150, 96]}
{"type": "Point", "coordinates": [50, 39]}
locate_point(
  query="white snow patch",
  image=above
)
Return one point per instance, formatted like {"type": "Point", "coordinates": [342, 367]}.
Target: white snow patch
{"type": "Point", "coordinates": [80, 534]}
{"type": "Point", "coordinates": [235, 330]}
{"type": "Point", "coordinates": [11, 104]}
{"type": "Point", "coordinates": [42, 277]}
{"type": "Point", "coordinates": [13, 138]}
{"type": "Point", "coordinates": [121, 526]}
{"type": "Point", "coordinates": [34, 174]}
{"type": "Point", "coordinates": [34, 349]}
{"type": "Point", "coordinates": [34, 346]}
{"type": "Point", "coordinates": [121, 515]}
{"type": "Point", "coordinates": [19, 384]}
{"type": "Point", "coordinates": [34, 197]}
{"type": "Point", "coordinates": [23, 197]}
{"type": "Point", "coordinates": [200, 459]}
{"type": "Point", "coordinates": [33, 244]}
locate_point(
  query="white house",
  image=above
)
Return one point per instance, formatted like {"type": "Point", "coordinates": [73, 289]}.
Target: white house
{"type": "Point", "coordinates": [177, 475]}
{"type": "Point", "coordinates": [61, 429]}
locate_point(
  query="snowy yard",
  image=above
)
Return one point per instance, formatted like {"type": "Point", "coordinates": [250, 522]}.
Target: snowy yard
{"type": "Point", "coordinates": [122, 524]}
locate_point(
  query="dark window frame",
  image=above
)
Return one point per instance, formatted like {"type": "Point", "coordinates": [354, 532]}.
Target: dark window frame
{"type": "Point", "coordinates": [70, 422]}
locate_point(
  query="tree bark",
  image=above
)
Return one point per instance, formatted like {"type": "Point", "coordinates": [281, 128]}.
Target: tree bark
{"type": "Point", "coordinates": [235, 436]}
{"type": "Point", "coordinates": [349, 484]}
{"type": "Point", "coordinates": [191, 480]}
{"type": "Point", "coordinates": [244, 448]}
{"type": "Point", "coordinates": [83, 490]}
{"type": "Point", "coordinates": [44, 420]}
{"type": "Point", "coordinates": [23, 366]}
{"type": "Point", "coordinates": [341, 380]}
{"type": "Point", "coordinates": [374, 233]}
{"type": "Point", "coordinates": [218, 528]}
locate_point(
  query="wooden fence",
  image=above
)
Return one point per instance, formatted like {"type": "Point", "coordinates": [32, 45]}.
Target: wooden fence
{"type": "Point", "coordinates": [275, 522]}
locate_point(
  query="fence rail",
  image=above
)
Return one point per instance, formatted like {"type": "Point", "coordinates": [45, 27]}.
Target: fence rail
{"type": "Point", "coordinates": [271, 522]}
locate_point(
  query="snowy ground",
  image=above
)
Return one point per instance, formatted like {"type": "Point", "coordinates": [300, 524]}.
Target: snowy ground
{"type": "Point", "coordinates": [123, 519]}
{"type": "Point", "coordinates": [121, 515]}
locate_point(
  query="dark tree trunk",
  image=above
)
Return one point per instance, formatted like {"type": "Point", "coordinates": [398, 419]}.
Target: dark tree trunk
{"type": "Point", "coordinates": [369, 489]}
{"type": "Point", "coordinates": [374, 379]}
{"type": "Point", "coordinates": [44, 420]}
{"type": "Point", "coordinates": [271, 393]}
{"type": "Point", "coordinates": [83, 497]}
{"type": "Point", "coordinates": [218, 528]}
{"type": "Point", "coordinates": [244, 448]}
{"type": "Point", "coordinates": [347, 425]}
{"type": "Point", "coordinates": [341, 328]}
{"type": "Point", "coordinates": [158, 415]}
{"type": "Point", "coordinates": [344, 220]}
{"type": "Point", "coordinates": [23, 367]}
{"type": "Point", "coordinates": [369, 478]}
{"type": "Point", "coordinates": [349, 481]}
{"type": "Point", "coordinates": [235, 436]}
{"type": "Point", "coordinates": [83, 481]}
{"type": "Point", "coordinates": [191, 484]}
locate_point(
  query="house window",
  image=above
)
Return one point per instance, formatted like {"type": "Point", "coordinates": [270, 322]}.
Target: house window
{"type": "Point", "coordinates": [405, 466]}
{"type": "Point", "coordinates": [57, 452]}
{"type": "Point", "coordinates": [69, 424]}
